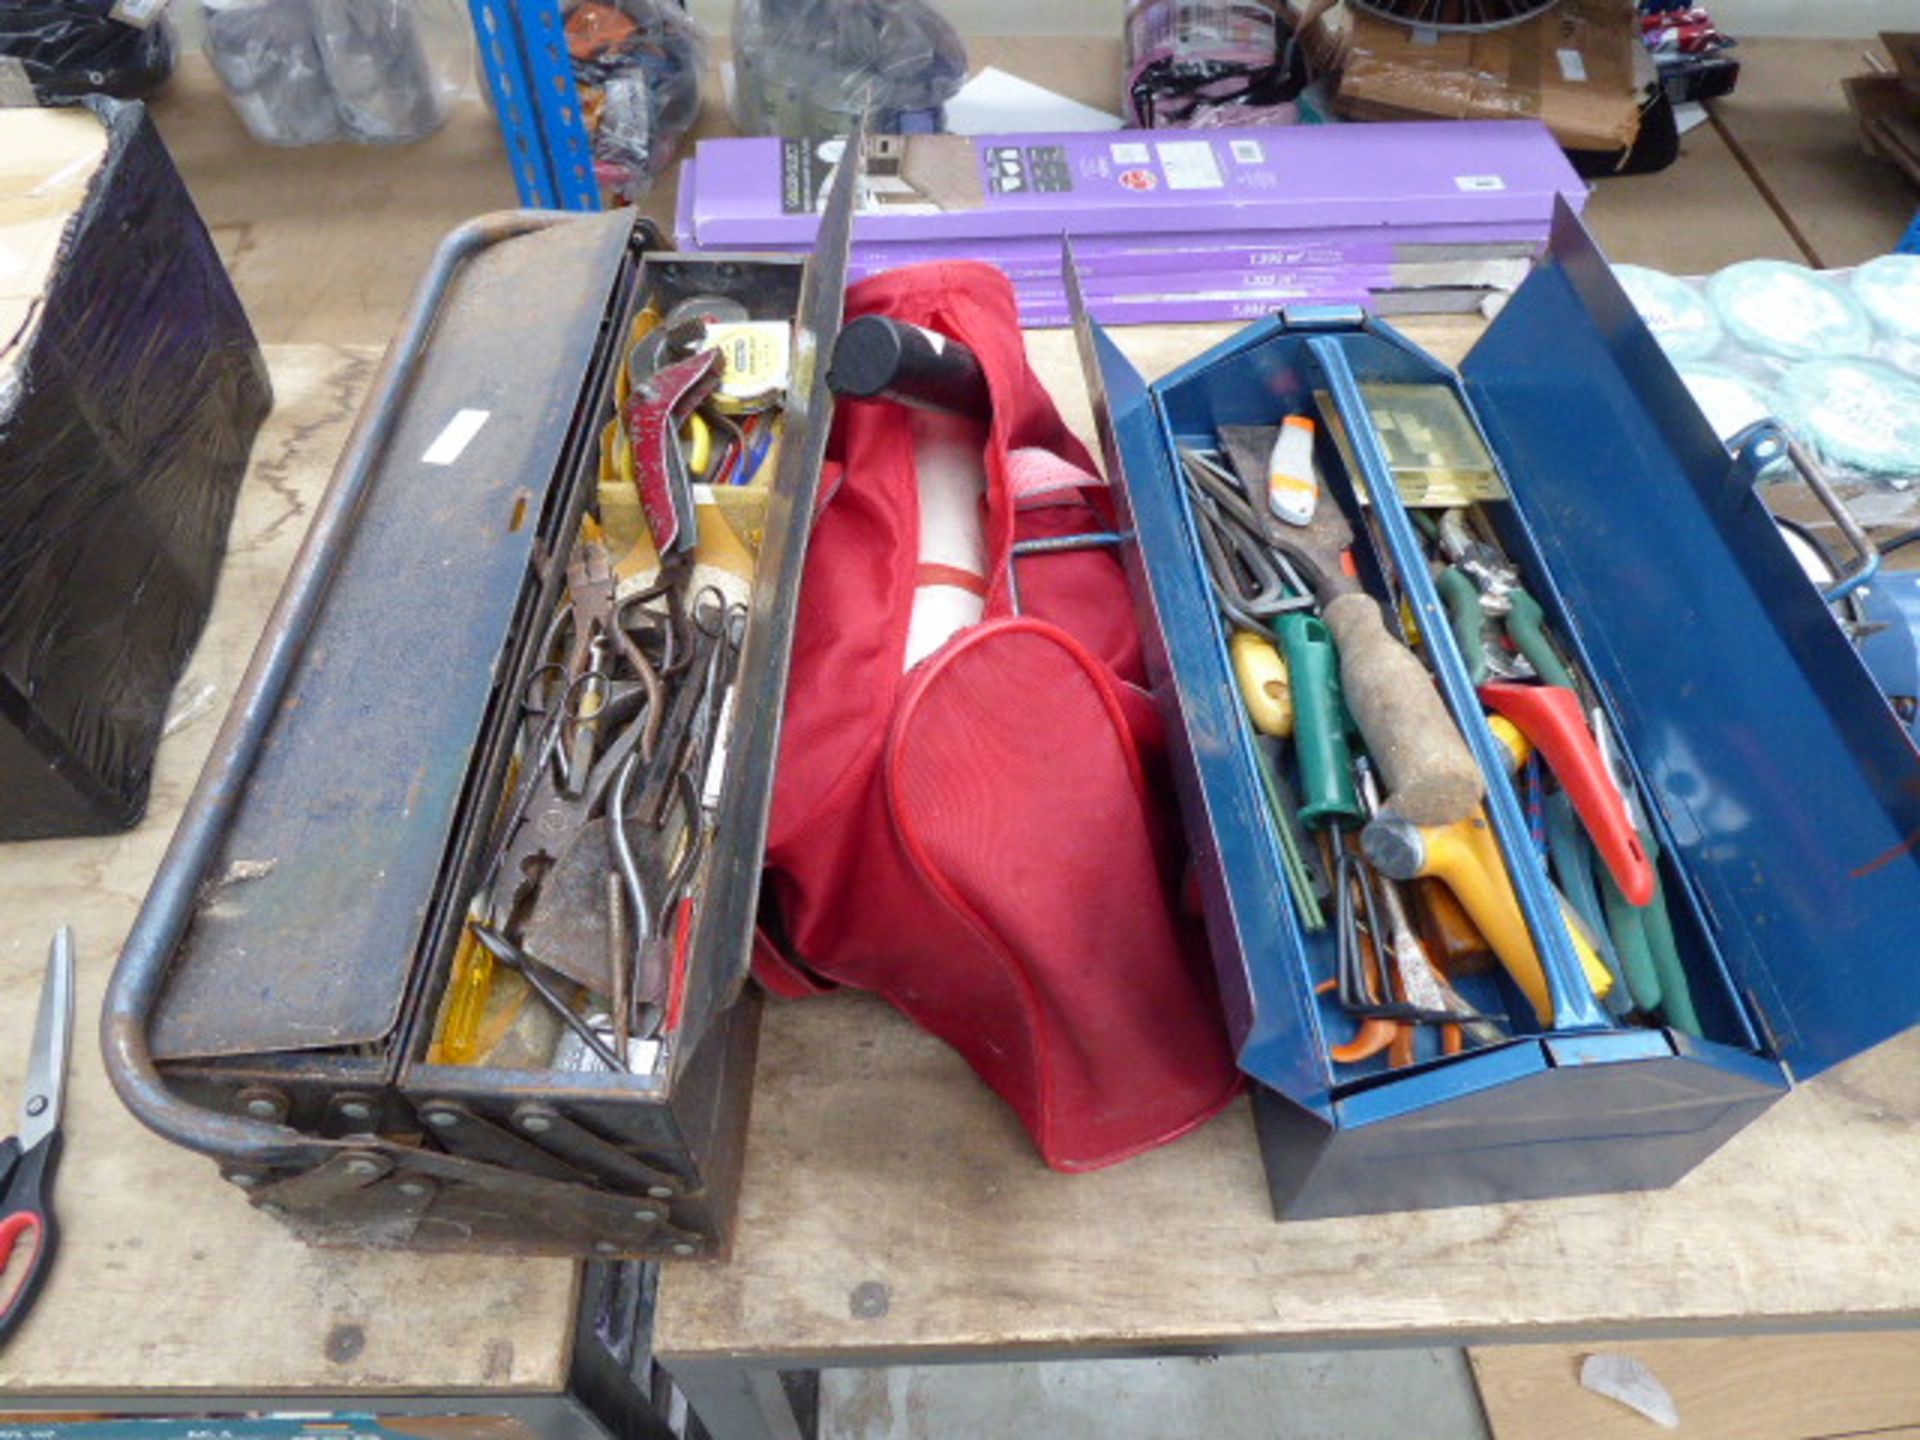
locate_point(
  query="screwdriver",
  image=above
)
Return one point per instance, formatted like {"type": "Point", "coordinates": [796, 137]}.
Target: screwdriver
{"type": "Point", "coordinates": [467, 992]}
{"type": "Point", "coordinates": [1264, 685]}
{"type": "Point", "coordinates": [1320, 722]}
{"type": "Point", "coordinates": [1419, 983]}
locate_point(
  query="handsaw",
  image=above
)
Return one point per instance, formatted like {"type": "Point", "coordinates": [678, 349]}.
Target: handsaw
{"type": "Point", "coordinates": [727, 924]}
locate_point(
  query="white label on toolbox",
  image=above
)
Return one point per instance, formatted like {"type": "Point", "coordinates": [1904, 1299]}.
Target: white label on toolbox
{"type": "Point", "coordinates": [452, 441]}
{"type": "Point", "coordinates": [1131, 153]}
{"type": "Point", "coordinates": [1189, 165]}
{"type": "Point", "coordinates": [1247, 152]}
{"type": "Point", "coordinates": [137, 13]}
{"type": "Point", "coordinates": [1573, 69]}
{"type": "Point", "coordinates": [1479, 182]}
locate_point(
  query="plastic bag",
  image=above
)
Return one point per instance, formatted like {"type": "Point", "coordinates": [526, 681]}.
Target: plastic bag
{"type": "Point", "coordinates": [637, 65]}
{"type": "Point", "coordinates": [805, 69]}
{"type": "Point", "coordinates": [303, 72]}
{"type": "Point", "coordinates": [1202, 64]}
{"type": "Point", "coordinates": [76, 47]}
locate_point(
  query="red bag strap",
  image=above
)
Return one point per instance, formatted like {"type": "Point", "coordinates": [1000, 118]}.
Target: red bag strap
{"type": "Point", "coordinates": [1037, 476]}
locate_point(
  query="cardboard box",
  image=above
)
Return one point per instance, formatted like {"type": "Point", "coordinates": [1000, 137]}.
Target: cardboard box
{"type": "Point", "coordinates": [1887, 107]}
{"type": "Point", "coordinates": [1572, 68]}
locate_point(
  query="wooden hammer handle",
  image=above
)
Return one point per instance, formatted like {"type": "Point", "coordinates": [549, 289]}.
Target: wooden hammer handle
{"type": "Point", "coordinates": [1429, 773]}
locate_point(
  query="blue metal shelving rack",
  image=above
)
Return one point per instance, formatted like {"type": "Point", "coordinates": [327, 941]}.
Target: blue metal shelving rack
{"type": "Point", "coordinates": [523, 48]}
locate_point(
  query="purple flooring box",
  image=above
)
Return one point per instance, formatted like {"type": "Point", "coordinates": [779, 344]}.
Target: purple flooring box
{"type": "Point", "coordinates": [1298, 180]}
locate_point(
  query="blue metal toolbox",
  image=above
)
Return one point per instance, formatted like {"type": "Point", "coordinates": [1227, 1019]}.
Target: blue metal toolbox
{"type": "Point", "coordinates": [1781, 789]}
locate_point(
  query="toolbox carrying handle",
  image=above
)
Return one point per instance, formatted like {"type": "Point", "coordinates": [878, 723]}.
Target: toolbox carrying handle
{"type": "Point", "coordinates": [147, 955]}
{"type": "Point", "coordinates": [1574, 1007]}
{"type": "Point", "coordinates": [1757, 447]}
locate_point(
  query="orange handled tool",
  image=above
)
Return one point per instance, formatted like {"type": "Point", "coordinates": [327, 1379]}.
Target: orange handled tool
{"type": "Point", "coordinates": [1371, 1033]}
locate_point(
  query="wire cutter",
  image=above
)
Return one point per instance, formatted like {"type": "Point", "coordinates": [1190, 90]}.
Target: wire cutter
{"type": "Point", "coordinates": [1490, 610]}
{"type": "Point", "coordinates": [28, 1160]}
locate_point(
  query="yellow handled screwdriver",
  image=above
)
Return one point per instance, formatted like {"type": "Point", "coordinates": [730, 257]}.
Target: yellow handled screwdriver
{"type": "Point", "coordinates": [1262, 674]}
{"type": "Point", "coordinates": [1467, 858]}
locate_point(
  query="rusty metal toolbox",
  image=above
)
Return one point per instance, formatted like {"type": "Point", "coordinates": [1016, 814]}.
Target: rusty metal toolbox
{"type": "Point", "coordinates": [1781, 787]}
{"type": "Point", "coordinates": [277, 1004]}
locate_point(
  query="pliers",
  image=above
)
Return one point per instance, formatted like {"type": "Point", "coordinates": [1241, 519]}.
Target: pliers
{"type": "Point", "coordinates": [1499, 627]}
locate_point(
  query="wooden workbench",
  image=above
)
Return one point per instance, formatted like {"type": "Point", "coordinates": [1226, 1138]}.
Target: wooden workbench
{"type": "Point", "coordinates": [893, 1208]}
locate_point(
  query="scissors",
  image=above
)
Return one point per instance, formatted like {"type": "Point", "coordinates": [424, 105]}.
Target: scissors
{"type": "Point", "coordinates": [27, 1160]}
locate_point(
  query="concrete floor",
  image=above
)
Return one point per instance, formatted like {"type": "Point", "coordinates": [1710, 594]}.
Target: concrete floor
{"type": "Point", "coordinates": [1354, 1395]}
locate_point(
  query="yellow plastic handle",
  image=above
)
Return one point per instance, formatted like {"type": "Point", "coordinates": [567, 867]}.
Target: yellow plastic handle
{"type": "Point", "coordinates": [1466, 856]}
{"type": "Point", "coordinates": [472, 982]}
{"type": "Point", "coordinates": [1262, 675]}
{"type": "Point", "coordinates": [1516, 745]}
{"type": "Point", "coordinates": [699, 438]}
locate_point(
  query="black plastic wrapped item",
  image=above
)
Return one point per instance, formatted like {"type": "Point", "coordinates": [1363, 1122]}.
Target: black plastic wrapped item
{"type": "Point", "coordinates": [128, 404]}
{"type": "Point", "coordinates": [73, 48]}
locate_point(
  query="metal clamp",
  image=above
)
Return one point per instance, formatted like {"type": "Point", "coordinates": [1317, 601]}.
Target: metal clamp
{"type": "Point", "coordinates": [1758, 447]}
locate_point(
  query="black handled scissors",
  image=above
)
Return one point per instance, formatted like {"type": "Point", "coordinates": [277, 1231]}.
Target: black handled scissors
{"type": "Point", "coordinates": [27, 1160]}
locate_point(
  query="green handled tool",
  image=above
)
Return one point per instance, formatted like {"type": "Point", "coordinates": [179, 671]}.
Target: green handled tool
{"type": "Point", "coordinates": [1527, 627]}
{"type": "Point", "coordinates": [1653, 922]}
{"type": "Point", "coordinates": [1626, 923]}
{"type": "Point", "coordinates": [1676, 996]}
{"type": "Point", "coordinates": [1466, 618]}
{"type": "Point", "coordinates": [1573, 867]}
{"type": "Point", "coordinates": [1320, 722]}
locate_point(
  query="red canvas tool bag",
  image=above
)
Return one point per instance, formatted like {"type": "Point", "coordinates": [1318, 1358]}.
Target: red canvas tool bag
{"type": "Point", "coordinates": [985, 840]}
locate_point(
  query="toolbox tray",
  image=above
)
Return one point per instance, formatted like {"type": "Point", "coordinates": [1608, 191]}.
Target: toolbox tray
{"type": "Point", "coordinates": [1783, 791]}
{"type": "Point", "coordinates": [275, 1005]}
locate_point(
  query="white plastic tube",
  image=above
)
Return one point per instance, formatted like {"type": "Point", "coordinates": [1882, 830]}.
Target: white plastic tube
{"type": "Point", "coordinates": [951, 591]}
